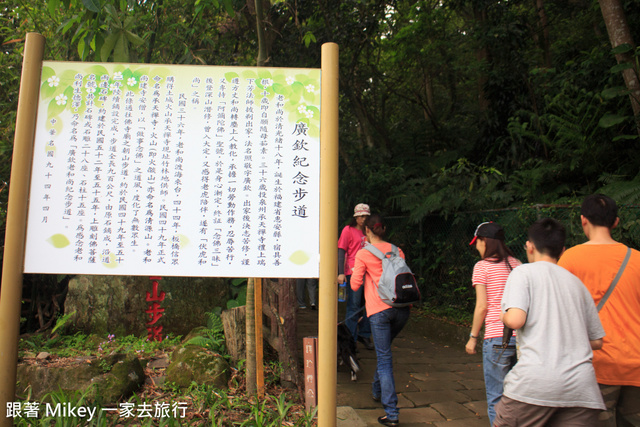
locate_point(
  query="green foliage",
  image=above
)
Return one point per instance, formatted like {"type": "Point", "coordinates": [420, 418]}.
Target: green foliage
{"type": "Point", "coordinates": [64, 345]}
{"type": "Point", "coordinates": [462, 186]}
{"type": "Point", "coordinates": [212, 337]}
{"type": "Point", "coordinates": [81, 344]}
{"type": "Point", "coordinates": [64, 399]}
{"type": "Point", "coordinates": [258, 414]}
{"type": "Point", "coordinates": [139, 345]}
{"type": "Point", "coordinates": [121, 36]}
{"type": "Point", "coordinates": [105, 366]}
{"type": "Point", "coordinates": [238, 293]}
{"type": "Point", "coordinates": [444, 106]}
{"type": "Point", "coordinates": [62, 321]}
{"type": "Point", "coordinates": [444, 275]}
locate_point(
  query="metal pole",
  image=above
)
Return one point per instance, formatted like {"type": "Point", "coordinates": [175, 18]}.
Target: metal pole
{"type": "Point", "coordinates": [328, 307]}
{"type": "Point", "coordinates": [12, 267]}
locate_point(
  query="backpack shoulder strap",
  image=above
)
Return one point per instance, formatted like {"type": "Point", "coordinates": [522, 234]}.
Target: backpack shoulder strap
{"type": "Point", "coordinates": [394, 250]}
{"type": "Point", "coordinates": [615, 281]}
{"type": "Point", "coordinates": [377, 252]}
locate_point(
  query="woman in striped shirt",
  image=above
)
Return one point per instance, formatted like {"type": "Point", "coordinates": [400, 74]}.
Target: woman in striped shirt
{"type": "Point", "coordinates": [489, 278]}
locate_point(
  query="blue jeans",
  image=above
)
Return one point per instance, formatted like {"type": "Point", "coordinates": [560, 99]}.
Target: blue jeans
{"type": "Point", "coordinates": [355, 301]}
{"type": "Point", "coordinates": [385, 326]}
{"type": "Point", "coordinates": [495, 369]}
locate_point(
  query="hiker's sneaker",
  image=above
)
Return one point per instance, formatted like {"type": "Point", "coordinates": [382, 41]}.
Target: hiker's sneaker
{"type": "Point", "coordinates": [385, 421]}
{"type": "Point", "coordinates": [313, 306]}
{"type": "Point", "coordinates": [302, 306]}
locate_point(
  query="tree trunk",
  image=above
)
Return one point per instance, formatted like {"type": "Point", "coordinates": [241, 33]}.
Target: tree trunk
{"type": "Point", "coordinates": [262, 45]}
{"type": "Point", "coordinates": [619, 33]}
{"type": "Point", "coordinates": [545, 43]}
{"type": "Point", "coordinates": [234, 335]}
{"type": "Point", "coordinates": [429, 109]}
{"type": "Point", "coordinates": [482, 55]}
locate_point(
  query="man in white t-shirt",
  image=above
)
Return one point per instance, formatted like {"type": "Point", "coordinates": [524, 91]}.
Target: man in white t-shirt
{"type": "Point", "coordinates": [553, 383]}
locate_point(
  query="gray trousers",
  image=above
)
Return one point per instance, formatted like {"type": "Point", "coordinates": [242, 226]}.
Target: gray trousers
{"type": "Point", "coordinates": [312, 286]}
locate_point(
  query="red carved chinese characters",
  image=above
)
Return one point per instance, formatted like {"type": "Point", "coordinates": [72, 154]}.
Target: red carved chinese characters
{"type": "Point", "coordinates": [155, 310]}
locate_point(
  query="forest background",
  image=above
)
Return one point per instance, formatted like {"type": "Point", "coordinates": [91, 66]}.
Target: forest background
{"type": "Point", "coordinates": [451, 112]}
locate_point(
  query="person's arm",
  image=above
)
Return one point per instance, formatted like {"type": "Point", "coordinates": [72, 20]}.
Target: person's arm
{"type": "Point", "coordinates": [478, 318]}
{"type": "Point", "coordinates": [595, 330]}
{"type": "Point", "coordinates": [514, 318]}
{"type": "Point", "coordinates": [341, 257]}
{"type": "Point", "coordinates": [357, 276]}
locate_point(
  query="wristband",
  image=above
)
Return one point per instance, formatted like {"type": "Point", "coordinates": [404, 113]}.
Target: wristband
{"type": "Point", "coordinates": [471, 335]}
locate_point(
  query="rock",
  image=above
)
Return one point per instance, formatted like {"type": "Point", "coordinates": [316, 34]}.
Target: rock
{"type": "Point", "coordinates": [28, 355]}
{"type": "Point", "coordinates": [192, 363]}
{"type": "Point", "coordinates": [110, 378]}
{"type": "Point", "coordinates": [156, 381]}
{"type": "Point", "coordinates": [160, 362]}
{"type": "Point", "coordinates": [116, 304]}
{"type": "Point", "coordinates": [43, 355]}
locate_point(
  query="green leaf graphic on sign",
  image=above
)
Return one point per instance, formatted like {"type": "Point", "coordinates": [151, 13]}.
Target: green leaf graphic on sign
{"type": "Point", "coordinates": [264, 74]}
{"type": "Point", "coordinates": [297, 87]}
{"type": "Point", "coordinates": [50, 149]}
{"type": "Point", "coordinates": [55, 108]}
{"type": "Point", "coordinates": [67, 77]}
{"type": "Point", "coordinates": [98, 70]}
{"type": "Point", "coordinates": [280, 89]}
{"type": "Point", "coordinates": [46, 90]}
{"type": "Point", "coordinates": [279, 77]}
{"type": "Point", "coordinates": [58, 241]}
{"type": "Point", "coordinates": [161, 72]}
{"type": "Point", "coordinates": [143, 71]}
{"type": "Point", "coordinates": [184, 240]}
{"type": "Point", "coordinates": [294, 98]}
{"type": "Point", "coordinates": [47, 72]}
{"type": "Point", "coordinates": [112, 261]}
{"type": "Point", "coordinates": [50, 83]}
{"type": "Point", "coordinates": [314, 131]}
{"type": "Point", "coordinates": [59, 103]}
{"type": "Point", "coordinates": [299, 257]}
{"type": "Point", "coordinates": [310, 97]}
{"type": "Point", "coordinates": [249, 74]}
{"type": "Point", "coordinates": [231, 75]}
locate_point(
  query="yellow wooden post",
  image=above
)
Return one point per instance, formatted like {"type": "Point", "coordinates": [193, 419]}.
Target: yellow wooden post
{"type": "Point", "coordinates": [328, 304]}
{"type": "Point", "coordinates": [12, 267]}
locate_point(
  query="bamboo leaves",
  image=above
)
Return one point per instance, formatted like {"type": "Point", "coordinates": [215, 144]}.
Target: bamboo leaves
{"type": "Point", "coordinates": [121, 36]}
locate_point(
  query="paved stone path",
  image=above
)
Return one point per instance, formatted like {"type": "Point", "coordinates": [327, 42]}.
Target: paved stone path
{"type": "Point", "coordinates": [438, 384]}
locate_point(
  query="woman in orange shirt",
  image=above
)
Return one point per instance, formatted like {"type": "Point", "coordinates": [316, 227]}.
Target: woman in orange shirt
{"type": "Point", "coordinates": [386, 321]}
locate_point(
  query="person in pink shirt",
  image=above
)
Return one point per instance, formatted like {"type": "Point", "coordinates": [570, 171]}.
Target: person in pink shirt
{"type": "Point", "coordinates": [386, 321]}
{"type": "Point", "coordinates": [352, 239]}
{"type": "Point", "coordinates": [489, 279]}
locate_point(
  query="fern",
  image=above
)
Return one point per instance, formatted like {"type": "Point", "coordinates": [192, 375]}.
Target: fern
{"type": "Point", "coordinates": [62, 321]}
{"type": "Point", "coordinates": [624, 192]}
{"type": "Point", "coordinates": [212, 337]}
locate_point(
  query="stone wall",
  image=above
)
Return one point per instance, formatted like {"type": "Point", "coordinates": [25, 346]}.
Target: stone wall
{"type": "Point", "coordinates": [116, 304]}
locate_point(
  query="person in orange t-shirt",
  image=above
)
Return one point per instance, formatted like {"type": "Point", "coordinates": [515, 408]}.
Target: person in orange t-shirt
{"type": "Point", "coordinates": [386, 321]}
{"type": "Point", "coordinates": [596, 263]}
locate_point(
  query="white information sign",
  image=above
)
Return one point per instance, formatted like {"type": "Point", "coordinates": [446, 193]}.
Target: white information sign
{"type": "Point", "coordinates": [168, 170]}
